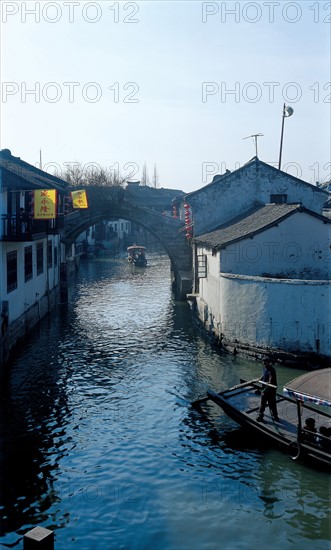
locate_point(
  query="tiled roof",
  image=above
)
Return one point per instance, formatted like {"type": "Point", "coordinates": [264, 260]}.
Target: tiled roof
{"type": "Point", "coordinates": [21, 175]}
{"type": "Point", "coordinates": [250, 223]}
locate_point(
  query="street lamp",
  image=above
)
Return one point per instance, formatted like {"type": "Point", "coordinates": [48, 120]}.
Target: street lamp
{"type": "Point", "coordinates": [287, 112]}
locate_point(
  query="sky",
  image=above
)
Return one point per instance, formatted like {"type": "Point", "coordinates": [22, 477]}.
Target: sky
{"type": "Point", "coordinates": [174, 84]}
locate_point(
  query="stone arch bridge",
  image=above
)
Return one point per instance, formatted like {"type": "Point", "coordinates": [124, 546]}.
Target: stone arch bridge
{"type": "Point", "coordinates": [107, 203]}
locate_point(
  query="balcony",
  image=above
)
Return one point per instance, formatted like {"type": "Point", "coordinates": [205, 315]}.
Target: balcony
{"type": "Point", "coordinates": [15, 229]}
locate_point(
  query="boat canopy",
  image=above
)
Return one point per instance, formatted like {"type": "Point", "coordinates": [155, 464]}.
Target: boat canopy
{"type": "Point", "coordinates": [136, 247]}
{"type": "Point", "coordinates": [313, 386]}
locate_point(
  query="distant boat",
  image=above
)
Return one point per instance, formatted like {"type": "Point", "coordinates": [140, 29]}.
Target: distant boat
{"type": "Point", "coordinates": [242, 403]}
{"type": "Point", "coordinates": [137, 255]}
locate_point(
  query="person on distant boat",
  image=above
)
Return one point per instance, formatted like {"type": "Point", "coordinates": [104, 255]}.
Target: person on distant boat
{"type": "Point", "coordinates": [268, 394]}
{"type": "Point", "coordinates": [309, 430]}
{"type": "Point", "coordinates": [323, 439]}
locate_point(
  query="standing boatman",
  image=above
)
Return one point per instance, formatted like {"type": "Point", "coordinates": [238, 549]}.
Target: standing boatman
{"type": "Point", "coordinates": [268, 396]}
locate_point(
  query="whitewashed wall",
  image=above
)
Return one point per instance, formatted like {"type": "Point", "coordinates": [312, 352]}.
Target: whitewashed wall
{"type": "Point", "coordinates": [122, 227]}
{"type": "Point", "coordinates": [27, 293]}
{"type": "Point", "coordinates": [299, 247]}
{"type": "Point", "coordinates": [290, 315]}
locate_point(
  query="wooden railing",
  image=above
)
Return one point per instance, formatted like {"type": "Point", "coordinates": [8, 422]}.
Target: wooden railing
{"type": "Point", "coordinates": [13, 228]}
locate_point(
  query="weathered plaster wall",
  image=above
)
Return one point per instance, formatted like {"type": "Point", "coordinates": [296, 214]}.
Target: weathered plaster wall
{"type": "Point", "coordinates": [299, 247]}
{"type": "Point", "coordinates": [289, 315]}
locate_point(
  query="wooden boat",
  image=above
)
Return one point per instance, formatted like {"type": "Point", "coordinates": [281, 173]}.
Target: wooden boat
{"type": "Point", "coordinates": [137, 255]}
{"type": "Point", "coordinates": [307, 396]}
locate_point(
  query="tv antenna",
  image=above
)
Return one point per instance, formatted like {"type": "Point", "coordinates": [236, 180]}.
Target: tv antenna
{"type": "Point", "coordinates": [255, 136]}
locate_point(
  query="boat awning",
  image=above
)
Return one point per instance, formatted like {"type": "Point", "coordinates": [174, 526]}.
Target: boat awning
{"type": "Point", "coordinates": [137, 247]}
{"type": "Point", "coordinates": [313, 386]}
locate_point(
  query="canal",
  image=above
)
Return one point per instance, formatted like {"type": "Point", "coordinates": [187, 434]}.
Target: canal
{"type": "Point", "coordinates": [100, 444]}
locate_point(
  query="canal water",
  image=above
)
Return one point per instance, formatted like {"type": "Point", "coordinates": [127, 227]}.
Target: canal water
{"type": "Point", "coordinates": [101, 445]}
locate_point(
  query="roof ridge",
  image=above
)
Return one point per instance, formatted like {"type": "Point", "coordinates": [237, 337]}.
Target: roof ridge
{"type": "Point", "coordinates": [258, 162]}
{"type": "Point", "coordinates": [250, 223]}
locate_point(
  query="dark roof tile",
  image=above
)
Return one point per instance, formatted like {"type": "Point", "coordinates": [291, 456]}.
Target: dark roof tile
{"type": "Point", "coordinates": [22, 175]}
{"type": "Point", "coordinates": [250, 223]}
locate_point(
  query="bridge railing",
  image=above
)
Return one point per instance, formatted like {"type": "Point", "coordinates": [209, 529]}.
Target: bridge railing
{"type": "Point", "coordinates": [154, 221]}
{"type": "Point", "coordinates": [168, 220]}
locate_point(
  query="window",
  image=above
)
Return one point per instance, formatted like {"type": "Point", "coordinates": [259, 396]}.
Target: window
{"type": "Point", "coordinates": [55, 256]}
{"type": "Point", "coordinates": [28, 263]}
{"type": "Point", "coordinates": [11, 270]}
{"type": "Point", "coordinates": [202, 266]}
{"type": "Point", "coordinates": [278, 199]}
{"type": "Point", "coordinates": [49, 254]}
{"type": "Point", "coordinates": [40, 258]}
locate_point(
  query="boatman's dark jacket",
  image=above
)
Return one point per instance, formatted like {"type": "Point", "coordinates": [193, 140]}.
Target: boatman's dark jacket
{"type": "Point", "coordinates": [269, 376]}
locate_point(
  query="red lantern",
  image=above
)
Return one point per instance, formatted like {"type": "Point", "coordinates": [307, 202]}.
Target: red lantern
{"type": "Point", "coordinates": [188, 221]}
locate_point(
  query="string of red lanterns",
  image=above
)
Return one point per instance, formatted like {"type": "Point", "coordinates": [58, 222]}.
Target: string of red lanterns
{"type": "Point", "coordinates": [188, 221]}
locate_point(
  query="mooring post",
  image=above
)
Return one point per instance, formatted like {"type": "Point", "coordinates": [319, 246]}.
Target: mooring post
{"type": "Point", "coordinates": [38, 538]}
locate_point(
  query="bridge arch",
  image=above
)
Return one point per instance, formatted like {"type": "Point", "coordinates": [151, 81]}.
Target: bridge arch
{"type": "Point", "coordinates": [168, 231]}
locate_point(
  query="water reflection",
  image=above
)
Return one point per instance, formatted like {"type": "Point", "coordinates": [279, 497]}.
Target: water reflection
{"type": "Point", "coordinates": [34, 416]}
{"type": "Point", "coordinates": [97, 411]}
{"type": "Point", "coordinates": [250, 473]}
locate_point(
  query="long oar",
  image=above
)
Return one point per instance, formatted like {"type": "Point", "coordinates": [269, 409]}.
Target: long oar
{"type": "Point", "coordinates": [198, 402]}
{"type": "Point", "coordinates": [267, 384]}
{"type": "Point", "coordinates": [242, 385]}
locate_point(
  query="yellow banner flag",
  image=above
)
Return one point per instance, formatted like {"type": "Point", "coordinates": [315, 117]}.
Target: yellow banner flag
{"type": "Point", "coordinates": [79, 199]}
{"type": "Point", "coordinates": [44, 204]}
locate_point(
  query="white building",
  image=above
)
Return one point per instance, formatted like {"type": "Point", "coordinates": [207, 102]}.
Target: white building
{"type": "Point", "coordinates": [31, 252]}
{"type": "Point", "coordinates": [107, 234]}
{"type": "Point", "coordinates": [255, 183]}
{"type": "Point", "coordinates": [121, 227]}
{"type": "Point", "coordinates": [261, 273]}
